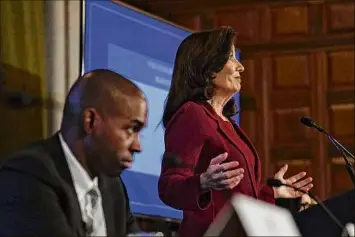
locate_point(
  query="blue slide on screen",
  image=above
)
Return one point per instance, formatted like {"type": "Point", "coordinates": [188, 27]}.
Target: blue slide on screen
{"type": "Point", "coordinates": [143, 50]}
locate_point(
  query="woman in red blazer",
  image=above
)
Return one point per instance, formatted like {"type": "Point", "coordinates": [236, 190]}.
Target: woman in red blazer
{"type": "Point", "coordinates": [199, 126]}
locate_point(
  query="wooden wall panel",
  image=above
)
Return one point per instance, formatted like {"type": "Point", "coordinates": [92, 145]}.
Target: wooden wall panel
{"type": "Point", "coordinates": [340, 180]}
{"type": "Point", "coordinates": [248, 119]}
{"type": "Point", "coordinates": [237, 19]}
{"type": "Point", "coordinates": [190, 21]}
{"type": "Point", "coordinates": [249, 80]}
{"type": "Point", "coordinates": [291, 71]}
{"type": "Point", "coordinates": [287, 129]}
{"type": "Point", "coordinates": [345, 114]}
{"type": "Point", "coordinates": [247, 99]}
{"type": "Point", "coordinates": [289, 101]}
{"type": "Point", "coordinates": [341, 94]}
{"type": "Point", "coordinates": [289, 21]}
{"type": "Point", "coordinates": [341, 69]}
{"type": "Point", "coordinates": [340, 17]}
{"type": "Point", "coordinates": [295, 166]}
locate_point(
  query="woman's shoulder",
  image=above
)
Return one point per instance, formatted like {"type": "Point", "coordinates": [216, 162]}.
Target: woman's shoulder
{"type": "Point", "coordinates": [190, 110]}
{"type": "Point", "coordinates": [192, 106]}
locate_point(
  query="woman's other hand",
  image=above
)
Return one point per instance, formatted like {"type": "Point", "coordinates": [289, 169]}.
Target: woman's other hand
{"type": "Point", "coordinates": [296, 181]}
{"type": "Point", "coordinates": [306, 202]}
{"type": "Point", "coordinates": [220, 175]}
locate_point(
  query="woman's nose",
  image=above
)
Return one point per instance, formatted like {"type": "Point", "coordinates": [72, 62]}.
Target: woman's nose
{"type": "Point", "coordinates": [239, 66]}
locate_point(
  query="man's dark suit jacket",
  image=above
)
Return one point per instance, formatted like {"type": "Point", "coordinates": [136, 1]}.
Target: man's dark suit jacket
{"type": "Point", "coordinates": [38, 196]}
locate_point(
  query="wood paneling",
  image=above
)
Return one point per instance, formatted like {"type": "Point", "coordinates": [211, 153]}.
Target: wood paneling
{"type": "Point", "coordinates": [289, 99]}
{"type": "Point", "coordinates": [248, 119]}
{"type": "Point", "coordinates": [299, 165]}
{"type": "Point", "coordinates": [340, 17]}
{"type": "Point", "coordinates": [237, 18]}
{"type": "Point", "coordinates": [345, 114]}
{"type": "Point", "coordinates": [291, 72]}
{"type": "Point", "coordinates": [289, 92]}
{"type": "Point", "coordinates": [340, 87]}
{"type": "Point", "coordinates": [190, 21]}
{"type": "Point", "coordinates": [295, 166]}
{"type": "Point", "coordinates": [283, 17]}
{"type": "Point", "coordinates": [340, 180]}
{"type": "Point", "coordinates": [249, 77]}
{"type": "Point", "coordinates": [341, 69]}
{"type": "Point", "coordinates": [248, 99]}
{"type": "Point", "coordinates": [287, 128]}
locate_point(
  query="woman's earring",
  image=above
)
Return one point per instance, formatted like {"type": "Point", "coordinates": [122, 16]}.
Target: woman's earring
{"type": "Point", "coordinates": [208, 91]}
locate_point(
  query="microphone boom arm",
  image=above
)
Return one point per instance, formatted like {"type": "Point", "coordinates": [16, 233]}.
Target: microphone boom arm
{"type": "Point", "coordinates": [277, 183]}
{"type": "Point", "coordinates": [315, 198]}
{"type": "Point", "coordinates": [351, 171]}
{"type": "Point", "coordinates": [342, 150]}
{"type": "Point", "coordinates": [336, 143]}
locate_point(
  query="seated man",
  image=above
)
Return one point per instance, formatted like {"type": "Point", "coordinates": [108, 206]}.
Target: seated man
{"type": "Point", "coordinates": [69, 184]}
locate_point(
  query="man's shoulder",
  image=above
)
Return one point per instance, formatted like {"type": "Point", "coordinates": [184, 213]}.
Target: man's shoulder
{"type": "Point", "coordinates": [34, 160]}
{"type": "Point", "coordinates": [116, 185]}
{"type": "Point", "coordinates": [114, 182]}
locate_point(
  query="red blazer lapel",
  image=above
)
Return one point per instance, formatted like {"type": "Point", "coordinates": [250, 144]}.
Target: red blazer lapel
{"type": "Point", "coordinates": [247, 140]}
{"type": "Point", "coordinates": [253, 149]}
{"type": "Point", "coordinates": [229, 136]}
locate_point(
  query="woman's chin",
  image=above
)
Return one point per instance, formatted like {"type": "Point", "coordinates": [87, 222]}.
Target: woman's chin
{"type": "Point", "coordinates": [237, 88]}
{"type": "Point", "coordinates": [232, 89]}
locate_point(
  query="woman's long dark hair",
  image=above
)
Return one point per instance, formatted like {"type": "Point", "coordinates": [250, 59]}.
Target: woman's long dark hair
{"type": "Point", "coordinates": [198, 58]}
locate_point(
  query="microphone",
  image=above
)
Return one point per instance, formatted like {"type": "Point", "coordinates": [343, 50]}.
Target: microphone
{"type": "Point", "coordinates": [277, 183]}
{"type": "Point", "coordinates": [173, 161]}
{"type": "Point", "coordinates": [310, 123]}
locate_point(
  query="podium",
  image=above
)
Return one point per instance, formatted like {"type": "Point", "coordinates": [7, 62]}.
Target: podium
{"type": "Point", "coordinates": [244, 216]}
{"type": "Point", "coordinates": [315, 222]}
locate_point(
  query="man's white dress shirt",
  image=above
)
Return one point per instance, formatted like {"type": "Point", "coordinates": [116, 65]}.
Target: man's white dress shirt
{"type": "Point", "coordinates": [88, 194]}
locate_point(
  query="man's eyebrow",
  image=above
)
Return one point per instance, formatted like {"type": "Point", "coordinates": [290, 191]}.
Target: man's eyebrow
{"type": "Point", "coordinates": [137, 122]}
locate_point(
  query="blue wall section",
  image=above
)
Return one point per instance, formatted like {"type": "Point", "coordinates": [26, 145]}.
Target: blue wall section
{"type": "Point", "coordinates": [142, 49]}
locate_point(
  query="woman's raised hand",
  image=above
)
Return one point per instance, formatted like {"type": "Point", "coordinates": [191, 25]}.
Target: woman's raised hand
{"type": "Point", "coordinates": [220, 175]}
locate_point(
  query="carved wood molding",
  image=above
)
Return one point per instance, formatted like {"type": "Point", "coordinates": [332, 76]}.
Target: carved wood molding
{"type": "Point", "coordinates": [319, 43]}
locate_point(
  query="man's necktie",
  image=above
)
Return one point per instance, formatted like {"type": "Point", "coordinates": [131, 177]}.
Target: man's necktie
{"type": "Point", "coordinates": [92, 198]}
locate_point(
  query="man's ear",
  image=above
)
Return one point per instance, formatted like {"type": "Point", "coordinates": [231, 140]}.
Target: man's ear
{"type": "Point", "coordinates": [90, 120]}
